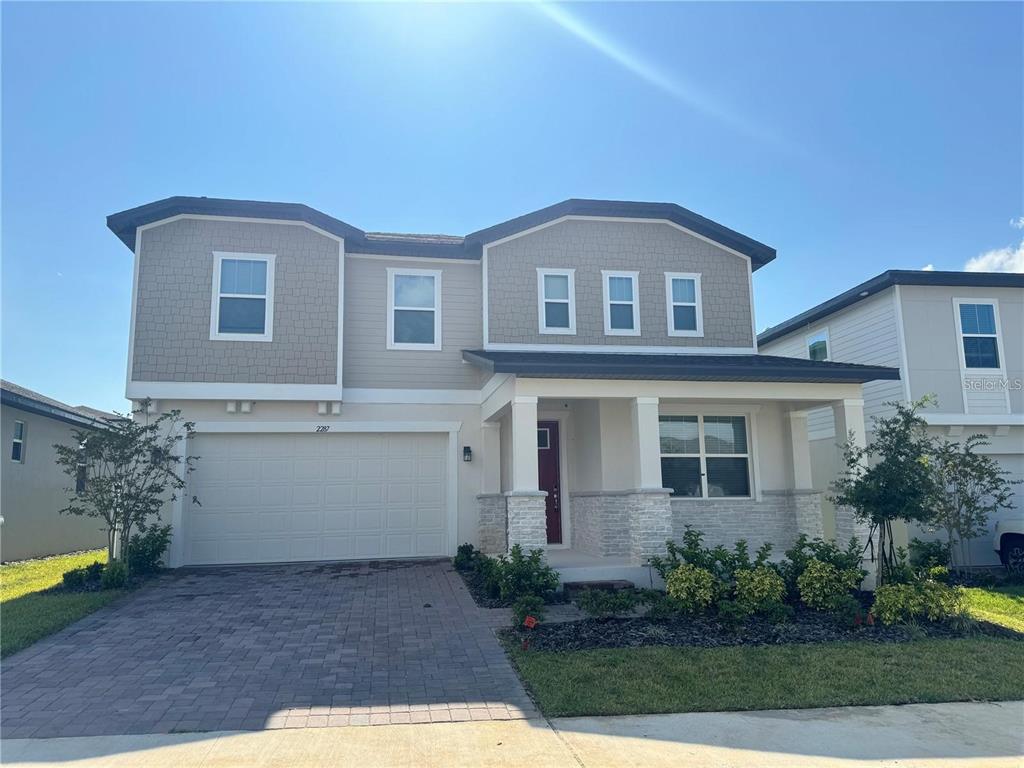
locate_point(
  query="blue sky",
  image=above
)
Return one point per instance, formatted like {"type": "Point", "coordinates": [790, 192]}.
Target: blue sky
{"type": "Point", "coordinates": [851, 137]}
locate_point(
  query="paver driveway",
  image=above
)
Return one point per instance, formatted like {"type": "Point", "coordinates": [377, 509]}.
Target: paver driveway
{"type": "Point", "coordinates": [268, 647]}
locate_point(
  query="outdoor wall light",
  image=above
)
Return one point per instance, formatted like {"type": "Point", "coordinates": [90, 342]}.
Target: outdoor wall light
{"type": "Point", "coordinates": [467, 453]}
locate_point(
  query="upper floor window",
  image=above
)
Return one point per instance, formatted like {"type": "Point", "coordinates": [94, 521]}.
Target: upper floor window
{"type": "Point", "coordinates": [414, 309]}
{"type": "Point", "coordinates": [243, 297]}
{"type": "Point", "coordinates": [817, 345]}
{"type": "Point", "coordinates": [979, 334]}
{"type": "Point", "coordinates": [556, 300]}
{"type": "Point", "coordinates": [18, 443]}
{"type": "Point", "coordinates": [621, 303]}
{"type": "Point", "coordinates": [682, 297]}
{"type": "Point", "coordinates": [705, 456]}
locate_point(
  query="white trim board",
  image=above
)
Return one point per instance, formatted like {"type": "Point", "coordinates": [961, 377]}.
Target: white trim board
{"type": "Point", "coordinates": [413, 259]}
{"type": "Point", "coordinates": [624, 349]}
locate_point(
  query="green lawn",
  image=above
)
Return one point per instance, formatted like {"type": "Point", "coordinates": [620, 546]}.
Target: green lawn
{"type": "Point", "coordinates": [28, 614]}
{"type": "Point", "coordinates": [627, 681]}
{"type": "Point", "coordinates": [999, 605]}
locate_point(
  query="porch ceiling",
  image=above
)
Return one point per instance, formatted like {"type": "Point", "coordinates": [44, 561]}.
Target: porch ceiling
{"type": "Point", "coordinates": [674, 367]}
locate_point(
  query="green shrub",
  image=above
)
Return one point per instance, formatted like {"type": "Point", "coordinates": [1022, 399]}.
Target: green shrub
{"type": "Point", "coordinates": [847, 609]}
{"type": "Point", "coordinates": [94, 571]}
{"type": "Point", "coordinates": [75, 578]}
{"type": "Point", "coordinates": [732, 613]}
{"type": "Point", "coordinates": [146, 549]}
{"type": "Point", "coordinates": [939, 573]}
{"type": "Point", "coordinates": [692, 587]}
{"type": "Point", "coordinates": [607, 603]}
{"type": "Point", "coordinates": [465, 557]}
{"type": "Point", "coordinates": [528, 605]}
{"type": "Point", "coordinates": [822, 584]}
{"type": "Point", "coordinates": [804, 550]}
{"type": "Point", "coordinates": [721, 562]}
{"type": "Point", "coordinates": [488, 570]}
{"type": "Point", "coordinates": [778, 613]}
{"type": "Point", "coordinates": [524, 575]}
{"type": "Point", "coordinates": [660, 607]}
{"type": "Point", "coordinates": [928, 554]}
{"type": "Point", "coordinates": [931, 600]}
{"type": "Point", "coordinates": [759, 589]}
{"type": "Point", "coordinates": [115, 575]}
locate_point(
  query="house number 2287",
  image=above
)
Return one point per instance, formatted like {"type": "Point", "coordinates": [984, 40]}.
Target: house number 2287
{"type": "Point", "coordinates": [322, 427]}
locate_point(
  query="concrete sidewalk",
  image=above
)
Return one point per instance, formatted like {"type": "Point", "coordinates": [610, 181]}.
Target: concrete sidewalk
{"type": "Point", "coordinates": [916, 735]}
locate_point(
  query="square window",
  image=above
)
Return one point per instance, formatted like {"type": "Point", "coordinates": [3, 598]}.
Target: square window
{"type": "Point", "coordinates": [556, 314]}
{"type": "Point", "coordinates": [242, 315]}
{"type": "Point", "coordinates": [682, 475]}
{"type": "Point", "coordinates": [556, 287]}
{"type": "Point", "coordinates": [414, 291]}
{"type": "Point", "coordinates": [728, 477]}
{"type": "Point", "coordinates": [684, 318]}
{"type": "Point", "coordinates": [705, 456]}
{"type": "Point", "coordinates": [621, 316]}
{"type": "Point", "coordinates": [981, 352]}
{"type": "Point", "coordinates": [414, 326]}
{"type": "Point", "coordinates": [684, 290]}
{"type": "Point", "coordinates": [620, 288]}
{"type": "Point", "coordinates": [679, 434]}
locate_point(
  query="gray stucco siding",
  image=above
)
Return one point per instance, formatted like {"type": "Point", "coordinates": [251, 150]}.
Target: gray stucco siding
{"type": "Point", "coordinates": [368, 363]}
{"type": "Point", "coordinates": [589, 246]}
{"type": "Point", "coordinates": [174, 301]}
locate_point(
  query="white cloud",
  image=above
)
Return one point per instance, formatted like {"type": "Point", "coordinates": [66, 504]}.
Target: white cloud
{"type": "Point", "coordinates": [1017, 223]}
{"type": "Point", "coordinates": [928, 268]}
{"type": "Point", "coordinates": [1008, 259]}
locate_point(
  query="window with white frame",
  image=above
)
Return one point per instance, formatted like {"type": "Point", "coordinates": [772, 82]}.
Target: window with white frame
{"type": "Point", "coordinates": [979, 335]}
{"type": "Point", "coordinates": [705, 456]}
{"type": "Point", "coordinates": [817, 345]}
{"type": "Point", "coordinates": [621, 303]}
{"type": "Point", "coordinates": [414, 309]}
{"type": "Point", "coordinates": [243, 297]}
{"type": "Point", "coordinates": [682, 298]}
{"type": "Point", "coordinates": [556, 300]}
{"type": "Point", "coordinates": [18, 443]}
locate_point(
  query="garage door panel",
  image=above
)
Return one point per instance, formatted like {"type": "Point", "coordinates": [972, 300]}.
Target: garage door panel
{"type": "Point", "coordinates": [281, 497]}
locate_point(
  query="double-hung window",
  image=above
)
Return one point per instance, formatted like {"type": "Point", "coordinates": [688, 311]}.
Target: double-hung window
{"type": "Point", "coordinates": [243, 297]}
{"type": "Point", "coordinates": [817, 345]}
{"type": "Point", "coordinates": [705, 456]}
{"type": "Point", "coordinates": [682, 297]}
{"type": "Point", "coordinates": [979, 334]}
{"type": "Point", "coordinates": [621, 303]}
{"type": "Point", "coordinates": [556, 300]}
{"type": "Point", "coordinates": [18, 443]}
{"type": "Point", "coordinates": [414, 309]}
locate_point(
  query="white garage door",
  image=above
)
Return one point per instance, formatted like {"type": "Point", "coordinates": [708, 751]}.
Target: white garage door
{"type": "Point", "coordinates": [270, 498]}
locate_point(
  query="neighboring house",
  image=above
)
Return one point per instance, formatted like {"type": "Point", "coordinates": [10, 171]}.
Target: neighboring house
{"type": "Point", "coordinates": [957, 335]}
{"type": "Point", "coordinates": [32, 486]}
{"type": "Point", "coordinates": [585, 377]}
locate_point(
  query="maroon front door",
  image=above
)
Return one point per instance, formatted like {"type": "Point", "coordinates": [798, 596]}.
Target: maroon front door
{"type": "Point", "coordinates": [548, 477]}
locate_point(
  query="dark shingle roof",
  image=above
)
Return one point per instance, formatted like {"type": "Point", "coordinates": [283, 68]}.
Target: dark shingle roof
{"type": "Point", "coordinates": [16, 396]}
{"type": "Point", "coordinates": [674, 367]}
{"type": "Point", "coordinates": [125, 223]}
{"type": "Point", "coordinates": [887, 280]}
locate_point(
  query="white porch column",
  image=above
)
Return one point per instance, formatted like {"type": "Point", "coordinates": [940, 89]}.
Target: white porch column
{"type": "Point", "coordinates": [524, 444]}
{"type": "Point", "coordinates": [490, 456]}
{"type": "Point", "coordinates": [849, 417]}
{"type": "Point", "coordinates": [801, 450]}
{"type": "Point", "coordinates": [646, 441]}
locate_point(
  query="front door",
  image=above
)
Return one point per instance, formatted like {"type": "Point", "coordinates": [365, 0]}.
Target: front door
{"type": "Point", "coordinates": [548, 477]}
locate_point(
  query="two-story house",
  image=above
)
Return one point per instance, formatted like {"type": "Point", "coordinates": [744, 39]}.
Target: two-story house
{"type": "Point", "coordinates": [584, 378]}
{"type": "Point", "coordinates": [956, 335]}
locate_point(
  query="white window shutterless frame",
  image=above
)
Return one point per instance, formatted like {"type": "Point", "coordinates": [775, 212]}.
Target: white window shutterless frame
{"type": "Point", "coordinates": [18, 443]}
{"type": "Point", "coordinates": [621, 303]}
{"type": "Point", "coordinates": [414, 309]}
{"type": "Point", "coordinates": [706, 456]}
{"type": "Point", "coordinates": [556, 301]}
{"type": "Point", "coordinates": [683, 302]}
{"type": "Point", "coordinates": [243, 297]}
{"type": "Point", "coordinates": [977, 322]}
{"type": "Point", "coordinates": [819, 346]}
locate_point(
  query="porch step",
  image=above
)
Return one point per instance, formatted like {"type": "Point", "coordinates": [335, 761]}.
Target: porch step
{"type": "Point", "coordinates": [570, 588]}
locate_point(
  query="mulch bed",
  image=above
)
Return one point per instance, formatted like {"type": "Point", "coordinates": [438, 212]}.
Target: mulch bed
{"type": "Point", "coordinates": [806, 626]}
{"type": "Point", "coordinates": [475, 585]}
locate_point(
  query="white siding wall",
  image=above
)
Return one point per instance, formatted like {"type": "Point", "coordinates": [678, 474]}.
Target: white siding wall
{"type": "Point", "coordinates": [864, 333]}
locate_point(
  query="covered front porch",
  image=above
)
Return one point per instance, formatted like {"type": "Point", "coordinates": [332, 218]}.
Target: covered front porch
{"type": "Point", "coordinates": [601, 472]}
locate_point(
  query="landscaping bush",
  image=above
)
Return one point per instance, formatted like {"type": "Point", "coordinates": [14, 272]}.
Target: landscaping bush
{"type": "Point", "coordinates": [822, 584]}
{"type": "Point", "coordinates": [606, 603]}
{"type": "Point", "coordinates": [524, 575]}
{"type": "Point", "coordinates": [939, 573]}
{"type": "Point", "coordinates": [928, 554]}
{"type": "Point", "coordinates": [465, 557]}
{"type": "Point", "coordinates": [115, 575]}
{"type": "Point", "coordinates": [146, 549]}
{"type": "Point", "coordinates": [931, 600]}
{"type": "Point", "coordinates": [804, 550]}
{"type": "Point", "coordinates": [759, 589]}
{"type": "Point", "coordinates": [529, 605]}
{"type": "Point", "coordinates": [733, 613]}
{"type": "Point", "coordinates": [692, 587]}
{"type": "Point", "coordinates": [75, 578]}
{"type": "Point", "coordinates": [94, 571]}
{"type": "Point", "coordinates": [659, 605]}
{"type": "Point", "coordinates": [721, 562]}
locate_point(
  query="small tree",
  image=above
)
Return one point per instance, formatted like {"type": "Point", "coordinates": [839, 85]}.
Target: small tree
{"type": "Point", "coordinates": [889, 480]}
{"type": "Point", "coordinates": [124, 472]}
{"type": "Point", "coordinates": [970, 486]}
